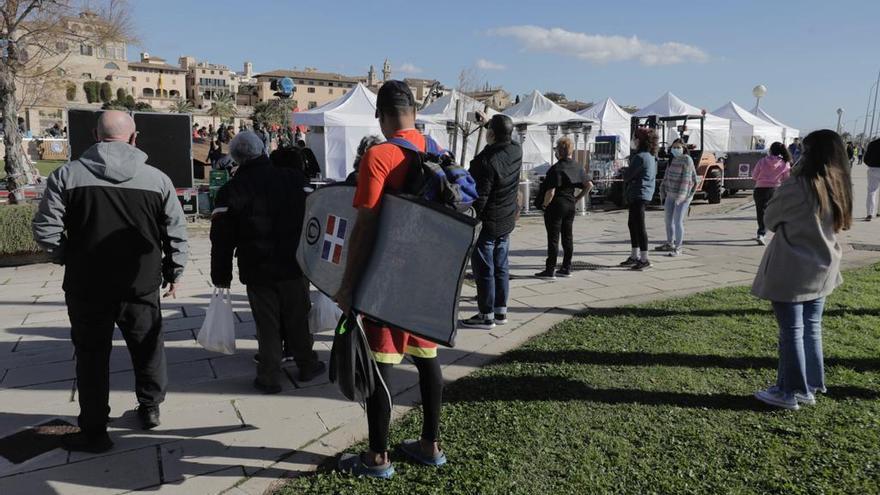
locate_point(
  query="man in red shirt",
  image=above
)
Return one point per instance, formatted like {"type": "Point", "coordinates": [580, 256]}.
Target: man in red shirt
{"type": "Point", "coordinates": [383, 168]}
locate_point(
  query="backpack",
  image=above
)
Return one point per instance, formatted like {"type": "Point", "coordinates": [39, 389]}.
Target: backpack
{"type": "Point", "coordinates": [352, 367]}
{"type": "Point", "coordinates": [435, 177]}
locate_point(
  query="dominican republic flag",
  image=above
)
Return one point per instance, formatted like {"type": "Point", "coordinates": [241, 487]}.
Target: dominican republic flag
{"type": "Point", "coordinates": [334, 239]}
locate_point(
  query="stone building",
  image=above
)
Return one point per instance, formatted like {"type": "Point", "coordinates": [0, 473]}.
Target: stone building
{"type": "Point", "coordinates": [156, 82]}
{"type": "Point", "coordinates": [312, 88]}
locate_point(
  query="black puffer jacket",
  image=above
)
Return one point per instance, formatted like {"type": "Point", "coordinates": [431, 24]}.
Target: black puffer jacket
{"type": "Point", "coordinates": [497, 170]}
{"type": "Point", "coordinates": [872, 154]}
{"type": "Point", "coordinates": [258, 216]}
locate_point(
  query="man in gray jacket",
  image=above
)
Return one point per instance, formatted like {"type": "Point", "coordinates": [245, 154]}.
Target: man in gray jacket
{"type": "Point", "coordinates": [118, 227]}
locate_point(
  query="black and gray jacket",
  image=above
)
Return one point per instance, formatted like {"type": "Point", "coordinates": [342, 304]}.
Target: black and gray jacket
{"type": "Point", "coordinates": [114, 222]}
{"type": "Point", "coordinates": [496, 171]}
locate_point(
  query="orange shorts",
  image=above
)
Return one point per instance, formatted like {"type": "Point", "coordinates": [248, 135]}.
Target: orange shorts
{"type": "Point", "coordinates": [390, 344]}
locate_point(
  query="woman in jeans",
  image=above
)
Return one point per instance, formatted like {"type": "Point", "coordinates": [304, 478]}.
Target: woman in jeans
{"type": "Point", "coordinates": [562, 179]}
{"type": "Point", "coordinates": [769, 173]}
{"type": "Point", "coordinates": [678, 188]}
{"type": "Point", "coordinates": [640, 179]}
{"type": "Point", "coordinates": [802, 264]}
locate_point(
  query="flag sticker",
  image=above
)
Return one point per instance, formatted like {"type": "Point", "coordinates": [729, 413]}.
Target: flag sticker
{"type": "Point", "coordinates": [334, 239]}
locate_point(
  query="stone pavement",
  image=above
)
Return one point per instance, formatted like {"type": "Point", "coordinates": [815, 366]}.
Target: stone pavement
{"type": "Point", "coordinates": [221, 436]}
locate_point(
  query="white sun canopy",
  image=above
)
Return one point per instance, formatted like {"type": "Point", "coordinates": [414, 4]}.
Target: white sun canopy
{"type": "Point", "coordinates": [538, 111]}
{"type": "Point", "coordinates": [747, 129]}
{"type": "Point", "coordinates": [716, 129]}
{"type": "Point", "coordinates": [435, 116]}
{"type": "Point", "coordinates": [788, 132]}
{"type": "Point", "coordinates": [613, 121]}
{"type": "Point", "coordinates": [338, 127]}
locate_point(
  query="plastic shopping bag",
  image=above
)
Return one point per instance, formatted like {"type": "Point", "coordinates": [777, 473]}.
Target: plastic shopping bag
{"type": "Point", "coordinates": [218, 331]}
{"type": "Point", "coordinates": [325, 314]}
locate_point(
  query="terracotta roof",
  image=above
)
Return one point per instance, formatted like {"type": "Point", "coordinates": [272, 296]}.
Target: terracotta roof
{"type": "Point", "coordinates": [319, 76]}
{"type": "Point", "coordinates": [146, 65]}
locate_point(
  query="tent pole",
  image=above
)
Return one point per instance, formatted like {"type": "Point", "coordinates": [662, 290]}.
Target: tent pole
{"type": "Point", "coordinates": [457, 124]}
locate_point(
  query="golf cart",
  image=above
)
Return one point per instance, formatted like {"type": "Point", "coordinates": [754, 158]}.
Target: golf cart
{"type": "Point", "coordinates": [710, 174]}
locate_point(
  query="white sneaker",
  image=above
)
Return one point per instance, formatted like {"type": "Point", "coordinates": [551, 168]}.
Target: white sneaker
{"type": "Point", "coordinates": [774, 397]}
{"type": "Point", "coordinates": [808, 399]}
{"type": "Point", "coordinates": [674, 253]}
{"type": "Point", "coordinates": [762, 241]}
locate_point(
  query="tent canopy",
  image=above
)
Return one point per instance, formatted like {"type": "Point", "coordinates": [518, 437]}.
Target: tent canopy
{"type": "Point", "coordinates": [537, 110]}
{"type": "Point", "coordinates": [443, 108]}
{"type": "Point", "coordinates": [613, 121]}
{"type": "Point", "coordinates": [746, 128]}
{"type": "Point", "coordinates": [338, 127]}
{"type": "Point", "coordinates": [788, 134]}
{"type": "Point", "coordinates": [716, 129]}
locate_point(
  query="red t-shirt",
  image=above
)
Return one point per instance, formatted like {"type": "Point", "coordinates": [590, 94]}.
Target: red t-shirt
{"type": "Point", "coordinates": [384, 168]}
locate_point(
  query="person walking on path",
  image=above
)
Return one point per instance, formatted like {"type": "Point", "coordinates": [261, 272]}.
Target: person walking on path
{"type": "Point", "coordinates": [794, 149]}
{"type": "Point", "coordinates": [801, 266]}
{"type": "Point", "coordinates": [563, 178]}
{"type": "Point", "coordinates": [677, 190]}
{"type": "Point", "coordinates": [872, 160]}
{"type": "Point", "coordinates": [257, 218]}
{"type": "Point", "coordinates": [496, 171]}
{"type": "Point", "coordinates": [769, 173]}
{"type": "Point", "coordinates": [384, 169]}
{"type": "Point", "coordinates": [116, 224]}
{"type": "Point", "coordinates": [640, 179]}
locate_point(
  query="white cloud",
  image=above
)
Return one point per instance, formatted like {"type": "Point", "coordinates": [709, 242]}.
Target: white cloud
{"type": "Point", "coordinates": [601, 48]}
{"type": "Point", "coordinates": [408, 68]}
{"type": "Point", "coordinates": [489, 65]}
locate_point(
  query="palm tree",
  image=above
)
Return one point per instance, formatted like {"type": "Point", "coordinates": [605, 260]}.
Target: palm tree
{"type": "Point", "coordinates": [223, 108]}
{"type": "Point", "coordinates": [181, 106]}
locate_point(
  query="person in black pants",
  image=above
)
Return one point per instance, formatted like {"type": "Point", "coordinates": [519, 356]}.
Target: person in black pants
{"type": "Point", "coordinates": [640, 179]}
{"type": "Point", "coordinates": [562, 179]}
{"type": "Point", "coordinates": [117, 226]}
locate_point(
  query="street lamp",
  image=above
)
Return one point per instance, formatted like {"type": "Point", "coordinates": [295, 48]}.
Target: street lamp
{"type": "Point", "coordinates": [451, 130]}
{"type": "Point", "coordinates": [552, 129]}
{"type": "Point", "coordinates": [524, 185]}
{"type": "Point", "coordinates": [839, 115]}
{"type": "Point", "coordinates": [759, 91]}
{"type": "Point", "coordinates": [420, 126]}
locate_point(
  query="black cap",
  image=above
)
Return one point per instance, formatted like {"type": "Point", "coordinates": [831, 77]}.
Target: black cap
{"type": "Point", "coordinates": [395, 94]}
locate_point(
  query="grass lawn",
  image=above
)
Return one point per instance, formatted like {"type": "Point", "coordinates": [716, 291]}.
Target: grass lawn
{"type": "Point", "coordinates": [45, 167]}
{"type": "Point", "coordinates": [655, 399]}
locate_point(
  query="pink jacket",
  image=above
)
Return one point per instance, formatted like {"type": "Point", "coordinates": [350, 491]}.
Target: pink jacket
{"type": "Point", "coordinates": [770, 172]}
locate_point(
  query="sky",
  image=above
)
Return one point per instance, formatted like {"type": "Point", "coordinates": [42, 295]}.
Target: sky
{"type": "Point", "coordinates": [814, 56]}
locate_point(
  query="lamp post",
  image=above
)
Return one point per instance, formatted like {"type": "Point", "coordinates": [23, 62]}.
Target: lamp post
{"type": "Point", "coordinates": [420, 126]}
{"type": "Point", "coordinates": [868, 111]}
{"type": "Point", "coordinates": [839, 115]}
{"type": "Point", "coordinates": [451, 129]}
{"type": "Point", "coordinates": [759, 91]}
{"type": "Point", "coordinates": [552, 129]}
{"type": "Point", "coordinates": [524, 185]}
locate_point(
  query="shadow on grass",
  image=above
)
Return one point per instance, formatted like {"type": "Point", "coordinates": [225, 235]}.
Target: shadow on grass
{"type": "Point", "coordinates": [637, 312]}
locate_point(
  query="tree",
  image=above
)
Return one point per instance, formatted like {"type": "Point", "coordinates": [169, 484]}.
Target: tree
{"type": "Point", "coordinates": [555, 97]}
{"type": "Point", "coordinates": [37, 39]}
{"type": "Point", "coordinates": [272, 112]}
{"type": "Point", "coordinates": [181, 106]}
{"type": "Point", "coordinates": [222, 108]}
{"type": "Point", "coordinates": [106, 92]}
{"type": "Point", "coordinates": [120, 93]}
{"type": "Point", "coordinates": [127, 105]}
{"type": "Point", "coordinates": [92, 90]}
{"type": "Point", "coordinates": [70, 91]}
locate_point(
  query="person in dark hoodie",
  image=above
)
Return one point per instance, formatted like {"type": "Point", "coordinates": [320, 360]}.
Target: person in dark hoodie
{"type": "Point", "coordinates": [496, 171]}
{"type": "Point", "coordinates": [257, 217]}
{"type": "Point", "coordinates": [118, 227]}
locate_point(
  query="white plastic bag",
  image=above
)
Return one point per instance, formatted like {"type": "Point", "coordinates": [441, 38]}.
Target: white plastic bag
{"type": "Point", "coordinates": [218, 331]}
{"type": "Point", "coordinates": [325, 314]}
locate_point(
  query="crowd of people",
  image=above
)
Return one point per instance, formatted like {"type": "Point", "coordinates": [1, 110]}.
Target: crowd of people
{"type": "Point", "coordinates": [803, 194]}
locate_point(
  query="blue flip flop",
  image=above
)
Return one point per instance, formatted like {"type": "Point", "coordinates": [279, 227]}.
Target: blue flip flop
{"type": "Point", "coordinates": [352, 463]}
{"type": "Point", "coordinates": [412, 450]}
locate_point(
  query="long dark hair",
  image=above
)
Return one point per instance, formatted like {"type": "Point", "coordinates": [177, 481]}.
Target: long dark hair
{"type": "Point", "coordinates": [825, 167]}
{"type": "Point", "coordinates": [779, 149]}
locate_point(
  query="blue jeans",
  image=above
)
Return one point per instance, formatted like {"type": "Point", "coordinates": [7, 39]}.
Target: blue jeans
{"type": "Point", "coordinates": [675, 215]}
{"type": "Point", "coordinates": [491, 272]}
{"type": "Point", "coordinates": [801, 365]}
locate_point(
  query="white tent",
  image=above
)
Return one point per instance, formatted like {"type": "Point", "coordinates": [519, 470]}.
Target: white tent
{"type": "Point", "coordinates": [337, 128]}
{"type": "Point", "coordinates": [788, 132]}
{"type": "Point", "coordinates": [538, 111]}
{"type": "Point", "coordinates": [435, 115]}
{"type": "Point", "coordinates": [746, 128]}
{"type": "Point", "coordinates": [613, 121]}
{"type": "Point", "coordinates": [716, 129]}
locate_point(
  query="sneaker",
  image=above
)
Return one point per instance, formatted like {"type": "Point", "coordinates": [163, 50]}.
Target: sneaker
{"type": "Point", "coordinates": [762, 241]}
{"type": "Point", "coordinates": [284, 359]}
{"type": "Point", "coordinates": [81, 442]}
{"type": "Point", "coordinates": [869, 218]}
{"type": "Point", "coordinates": [149, 416]}
{"type": "Point", "coordinates": [674, 253]}
{"type": "Point", "coordinates": [665, 247]}
{"type": "Point", "coordinates": [352, 463]}
{"type": "Point", "coordinates": [630, 261]}
{"type": "Point", "coordinates": [775, 397]}
{"type": "Point", "coordinates": [501, 318]}
{"type": "Point", "coordinates": [563, 272]}
{"type": "Point", "coordinates": [312, 371]}
{"type": "Point", "coordinates": [641, 265]}
{"type": "Point", "coordinates": [546, 274]}
{"type": "Point", "coordinates": [808, 399]}
{"type": "Point", "coordinates": [479, 320]}
{"type": "Point", "coordinates": [412, 449]}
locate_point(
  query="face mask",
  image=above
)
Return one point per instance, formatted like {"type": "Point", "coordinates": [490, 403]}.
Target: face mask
{"type": "Point", "coordinates": [677, 152]}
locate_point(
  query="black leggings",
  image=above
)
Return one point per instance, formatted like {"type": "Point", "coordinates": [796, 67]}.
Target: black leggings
{"type": "Point", "coordinates": [762, 196]}
{"type": "Point", "coordinates": [379, 409]}
{"type": "Point", "coordinates": [559, 219]}
{"type": "Point", "coordinates": [638, 233]}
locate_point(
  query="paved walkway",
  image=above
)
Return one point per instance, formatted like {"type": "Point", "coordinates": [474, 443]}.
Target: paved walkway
{"type": "Point", "coordinates": [220, 436]}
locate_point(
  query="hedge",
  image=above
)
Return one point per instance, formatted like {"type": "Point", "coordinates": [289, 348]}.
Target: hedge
{"type": "Point", "coordinates": [106, 92]}
{"type": "Point", "coordinates": [15, 230]}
